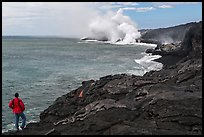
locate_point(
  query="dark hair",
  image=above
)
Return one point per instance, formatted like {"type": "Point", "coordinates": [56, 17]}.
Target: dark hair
{"type": "Point", "coordinates": [16, 95]}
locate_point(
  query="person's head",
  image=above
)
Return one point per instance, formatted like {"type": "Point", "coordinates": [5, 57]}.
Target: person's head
{"type": "Point", "coordinates": [16, 95]}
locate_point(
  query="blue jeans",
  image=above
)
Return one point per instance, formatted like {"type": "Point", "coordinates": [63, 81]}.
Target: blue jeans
{"type": "Point", "coordinates": [22, 115]}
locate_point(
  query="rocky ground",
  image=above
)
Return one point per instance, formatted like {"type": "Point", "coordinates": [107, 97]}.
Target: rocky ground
{"type": "Point", "coordinates": [165, 102]}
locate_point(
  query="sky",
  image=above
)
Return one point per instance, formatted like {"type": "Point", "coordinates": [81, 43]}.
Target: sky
{"type": "Point", "coordinates": [71, 19]}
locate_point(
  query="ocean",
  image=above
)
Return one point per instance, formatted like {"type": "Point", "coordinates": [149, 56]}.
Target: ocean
{"type": "Point", "coordinates": [41, 69]}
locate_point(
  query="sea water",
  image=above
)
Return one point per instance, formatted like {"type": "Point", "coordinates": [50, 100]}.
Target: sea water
{"type": "Point", "coordinates": [41, 69]}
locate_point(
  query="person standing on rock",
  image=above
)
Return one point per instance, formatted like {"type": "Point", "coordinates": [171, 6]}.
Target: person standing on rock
{"type": "Point", "coordinates": [18, 107]}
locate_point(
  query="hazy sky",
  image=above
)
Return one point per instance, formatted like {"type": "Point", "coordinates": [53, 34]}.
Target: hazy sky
{"type": "Point", "coordinates": [72, 19]}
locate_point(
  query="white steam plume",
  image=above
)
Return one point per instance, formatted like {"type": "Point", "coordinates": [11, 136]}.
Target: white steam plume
{"type": "Point", "coordinates": [114, 28]}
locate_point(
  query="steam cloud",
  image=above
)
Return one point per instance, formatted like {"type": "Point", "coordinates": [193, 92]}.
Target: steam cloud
{"type": "Point", "coordinates": [114, 28]}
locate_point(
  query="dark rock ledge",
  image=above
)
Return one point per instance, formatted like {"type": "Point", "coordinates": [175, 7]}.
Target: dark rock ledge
{"type": "Point", "coordinates": [165, 102]}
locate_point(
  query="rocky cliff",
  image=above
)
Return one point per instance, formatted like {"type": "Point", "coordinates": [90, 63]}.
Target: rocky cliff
{"type": "Point", "coordinates": [167, 35]}
{"type": "Point", "coordinates": [165, 102]}
{"type": "Point", "coordinates": [191, 45]}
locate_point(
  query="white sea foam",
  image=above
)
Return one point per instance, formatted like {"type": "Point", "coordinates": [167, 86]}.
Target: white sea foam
{"type": "Point", "coordinates": [11, 126]}
{"type": "Point", "coordinates": [148, 64]}
{"type": "Point", "coordinates": [121, 43]}
{"type": "Point", "coordinates": [139, 71]}
{"type": "Point", "coordinates": [90, 41]}
{"type": "Point", "coordinates": [135, 43]}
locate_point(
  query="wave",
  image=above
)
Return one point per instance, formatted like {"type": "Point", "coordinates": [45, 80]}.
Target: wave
{"type": "Point", "coordinates": [120, 43]}
{"type": "Point", "coordinates": [136, 43]}
{"type": "Point", "coordinates": [138, 71]}
{"type": "Point", "coordinates": [11, 126]}
{"type": "Point", "coordinates": [91, 41]}
{"type": "Point", "coordinates": [147, 63]}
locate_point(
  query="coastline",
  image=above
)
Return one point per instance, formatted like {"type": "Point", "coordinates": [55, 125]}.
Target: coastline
{"type": "Point", "coordinates": [164, 102]}
{"type": "Point", "coordinates": [142, 103]}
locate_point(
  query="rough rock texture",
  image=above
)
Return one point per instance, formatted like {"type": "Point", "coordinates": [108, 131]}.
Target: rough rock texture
{"type": "Point", "coordinates": [190, 46]}
{"type": "Point", "coordinates": [165, 102]}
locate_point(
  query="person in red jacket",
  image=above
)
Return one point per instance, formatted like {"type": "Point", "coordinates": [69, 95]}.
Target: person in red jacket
{"type": "Point", "coordinates": [18, 107]}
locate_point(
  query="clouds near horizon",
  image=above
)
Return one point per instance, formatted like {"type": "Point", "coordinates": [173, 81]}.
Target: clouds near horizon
{"type": "Point", "coordinates": [70, 18]}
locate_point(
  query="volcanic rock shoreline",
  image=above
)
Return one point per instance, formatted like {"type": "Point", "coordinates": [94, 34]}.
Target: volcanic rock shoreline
{"type": "Point", "coordinates": [165, 102]}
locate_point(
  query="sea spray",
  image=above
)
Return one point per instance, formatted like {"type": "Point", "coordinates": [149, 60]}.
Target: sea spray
{"type": "Point", "coordinates": [147, 63]}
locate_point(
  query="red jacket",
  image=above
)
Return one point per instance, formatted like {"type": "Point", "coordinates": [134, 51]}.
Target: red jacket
{"type": "Point", "coordinates": [14, 104]}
